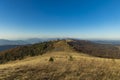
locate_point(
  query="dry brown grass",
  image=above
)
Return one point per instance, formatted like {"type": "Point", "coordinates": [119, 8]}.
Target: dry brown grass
{"type": "Point", "coordinates": [82, 67]}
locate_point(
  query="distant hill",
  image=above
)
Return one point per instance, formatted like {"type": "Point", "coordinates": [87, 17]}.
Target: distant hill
{"type": "Point", "coordinates": [113, 42]}
{"type": "Point", "coordinates": [6, 47]}
{"type": "Point", "coordinates": [38, 40]}
{"type": "Point", "coordinates": [96, 49]}
{"type": "Point", "coordinates": [12, 42]}
{"type": "Point", "coordinates": [8, 44]}
{"type": "Point", "coordinates": [24, 42]}
{"type": "Point", "coordinates": [21, 52]}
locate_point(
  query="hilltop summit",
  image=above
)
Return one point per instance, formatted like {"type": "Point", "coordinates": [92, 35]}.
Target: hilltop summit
{"type": "Point", "coordinates": [66, 45]}
{"type": "Point", "coordinates": [71, 60]}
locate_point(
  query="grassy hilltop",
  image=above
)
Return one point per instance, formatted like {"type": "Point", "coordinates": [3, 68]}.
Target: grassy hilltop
{"type": "Point", "coordinates": [71, 60]}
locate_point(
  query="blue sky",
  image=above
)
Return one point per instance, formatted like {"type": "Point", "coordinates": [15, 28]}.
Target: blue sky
{"type": "Point", "coordinates": [86, 19]}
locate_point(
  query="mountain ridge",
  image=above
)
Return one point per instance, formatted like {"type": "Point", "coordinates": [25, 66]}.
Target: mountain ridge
{"type": "Point", "coordinates": [71, 45]}
{"type": "Point", "coordinates": [25, 41]}
{"type": "Point", "coordinates": [67, 63]}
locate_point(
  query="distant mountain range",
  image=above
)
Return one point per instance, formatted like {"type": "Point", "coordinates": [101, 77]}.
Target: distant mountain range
{"type": "Point", "coordinates": [6, 47]}
{"type": "Point", "coordinates": [113, 42]}
{"type": "Point", "coordinates": [12, 42]}
{"type": "Point", "coordinates": [8, 44]}
{"type": "Point", "coordinates": [38, 40]}
{"type": "Point", "coordinates": [24, 42]}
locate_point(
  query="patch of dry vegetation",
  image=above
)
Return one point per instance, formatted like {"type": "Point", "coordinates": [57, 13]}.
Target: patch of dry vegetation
{"type": "Point", "coordinates": [80, 68]}
{"type": "Point", "coordinates": [62, 45]}
{"type": "Point", "coordinates": [61, 63]}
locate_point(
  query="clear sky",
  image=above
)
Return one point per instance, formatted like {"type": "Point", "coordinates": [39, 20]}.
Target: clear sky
{"type": "Point", "coordinates": [86, 19]}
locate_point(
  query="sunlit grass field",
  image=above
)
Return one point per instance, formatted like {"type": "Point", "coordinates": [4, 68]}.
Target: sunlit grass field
{"type": "Point", "coordinates": [66, 64]}
{"type": "Point", "coordinates": [81, 67]}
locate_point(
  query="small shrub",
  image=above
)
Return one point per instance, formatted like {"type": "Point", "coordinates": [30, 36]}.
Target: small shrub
{"type": "Point", "coordinates": [70, 58]}
{"type": "Point", "coordinates": [51, 59]}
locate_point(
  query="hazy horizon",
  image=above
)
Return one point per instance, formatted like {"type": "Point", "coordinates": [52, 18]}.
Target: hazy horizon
{"type": "Point", "coordinates": [84, 19]}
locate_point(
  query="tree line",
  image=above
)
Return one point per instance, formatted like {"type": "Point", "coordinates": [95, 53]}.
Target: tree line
{"type": "Point", "coordinates": [95, 49]}
{"type": "Point", "coordinates": [23, 51]}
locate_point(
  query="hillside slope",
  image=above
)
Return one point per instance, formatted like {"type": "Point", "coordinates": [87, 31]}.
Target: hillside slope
{"type": "Point", "coordinates": [80, 67]}
{"type": "Point", "coordinates": [21, 52]}
{"type": "Point", "coordinates": [80, 46]}
{"type": "Point", "coordinates": [96, 49]}
{"type": "Point", "coordinates": [66, 64]}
